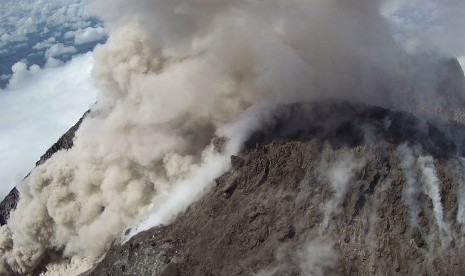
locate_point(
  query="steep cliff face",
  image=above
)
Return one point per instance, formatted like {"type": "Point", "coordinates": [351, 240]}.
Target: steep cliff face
{"type": "Point", "coordinates": [326, 189]}
{"type": "Point", "coordinates": [7, 205]}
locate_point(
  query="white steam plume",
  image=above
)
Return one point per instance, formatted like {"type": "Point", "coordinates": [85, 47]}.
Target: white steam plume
{"type": "Point", "coordinates": [172, 74]}
{"type": "Point", "coordinates": [193, 185]}
{"type": "Point", "coordinates": [431, 187]}
{"type": "Point", "coordinates": [340, 175]}
{"type": "Point", "coordinates": [316, 258]}
{"type": "Point", "coordinates": [429, 25]}
{"type": "Point", "coordinates": [461, 192]}
{"type": "Point", "coordinates": [411, 188]}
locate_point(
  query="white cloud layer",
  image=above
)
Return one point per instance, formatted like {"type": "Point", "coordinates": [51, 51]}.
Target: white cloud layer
{"type": "Point", "coordinates": [89, 34]}
{"type": "Point", "coordinates": [37, 108]}
{"type": "Point", "coordinates": [59, 49]}
{"type": "Point", "coordinates": [20, 18]}
{"type": "Point", "coordinates": [44, 44]}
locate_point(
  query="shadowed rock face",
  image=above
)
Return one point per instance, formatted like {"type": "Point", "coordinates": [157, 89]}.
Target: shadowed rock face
{"type": "Point", "coordinates": [322, 190]}
{"type": "Point", "coordinates": [7, 205]}
{"type": "Point", "coordinates": [65, 142]}
{"type": "Point", "coordinates": [346, 124]}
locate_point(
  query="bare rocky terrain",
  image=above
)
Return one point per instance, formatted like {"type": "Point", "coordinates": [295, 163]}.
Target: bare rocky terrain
{"type": "Point", "coordinates": [268, 214]}
{"type": "Point", "coordinates": [323, 189]}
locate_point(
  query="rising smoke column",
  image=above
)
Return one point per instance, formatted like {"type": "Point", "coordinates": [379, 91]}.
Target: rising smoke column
{"type": "Point", "coordinates": [411, 191]}
{"type": "Point", "coordinates": [461, 191]}
{"type": "Point", "coordinates": [340, 175]}
{"type": "Point", "coordinates": [172, 75]}
{"type": "Point", "coordinates": [431, 185]}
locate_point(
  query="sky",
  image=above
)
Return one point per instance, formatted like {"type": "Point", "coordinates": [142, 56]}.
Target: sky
{"type": "Point", "coordinates": [45, 78]}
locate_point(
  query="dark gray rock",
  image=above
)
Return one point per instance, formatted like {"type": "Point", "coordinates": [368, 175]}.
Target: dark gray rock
{"type": "Point", "coordinates": [7, 205]}
{"type": "Point", "coordinates": [262, 214]}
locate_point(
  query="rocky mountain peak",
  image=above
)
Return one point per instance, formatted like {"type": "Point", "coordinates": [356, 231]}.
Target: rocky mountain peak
{"type": "Point", "coordinates": [364, 191]}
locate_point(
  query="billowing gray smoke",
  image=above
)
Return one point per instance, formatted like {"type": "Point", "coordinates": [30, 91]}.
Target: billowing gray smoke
{"type": "Point", "coordinates": [176, 73]}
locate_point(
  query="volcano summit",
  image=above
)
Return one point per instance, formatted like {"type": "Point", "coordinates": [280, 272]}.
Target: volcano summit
{"type": "Point", "coordinates": [257, 137]}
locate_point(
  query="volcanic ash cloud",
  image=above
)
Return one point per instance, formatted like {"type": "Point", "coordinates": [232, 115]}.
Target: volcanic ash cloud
{"type": "Point", "coordinates": [173, 75]}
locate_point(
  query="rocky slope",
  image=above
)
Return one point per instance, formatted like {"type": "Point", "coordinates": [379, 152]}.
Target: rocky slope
{"type": "Point", "coordinates": [326, 189]}
{"type": "Point", "coordinates": [329, 188]}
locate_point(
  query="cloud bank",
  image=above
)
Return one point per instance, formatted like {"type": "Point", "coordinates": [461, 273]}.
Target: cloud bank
{"type": "Point", "coordinates": [23, 18]}
{"type": "Point", "coordinates": [173, 75]}
{"type": "Point", "coordinates": [59, 49]}
{"type": "Point", "coordinates": [34, 30]}
{"type": "Point", "coordinates": [89, 35]}
{"type": "Point", "coordinates": [40, 105]}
